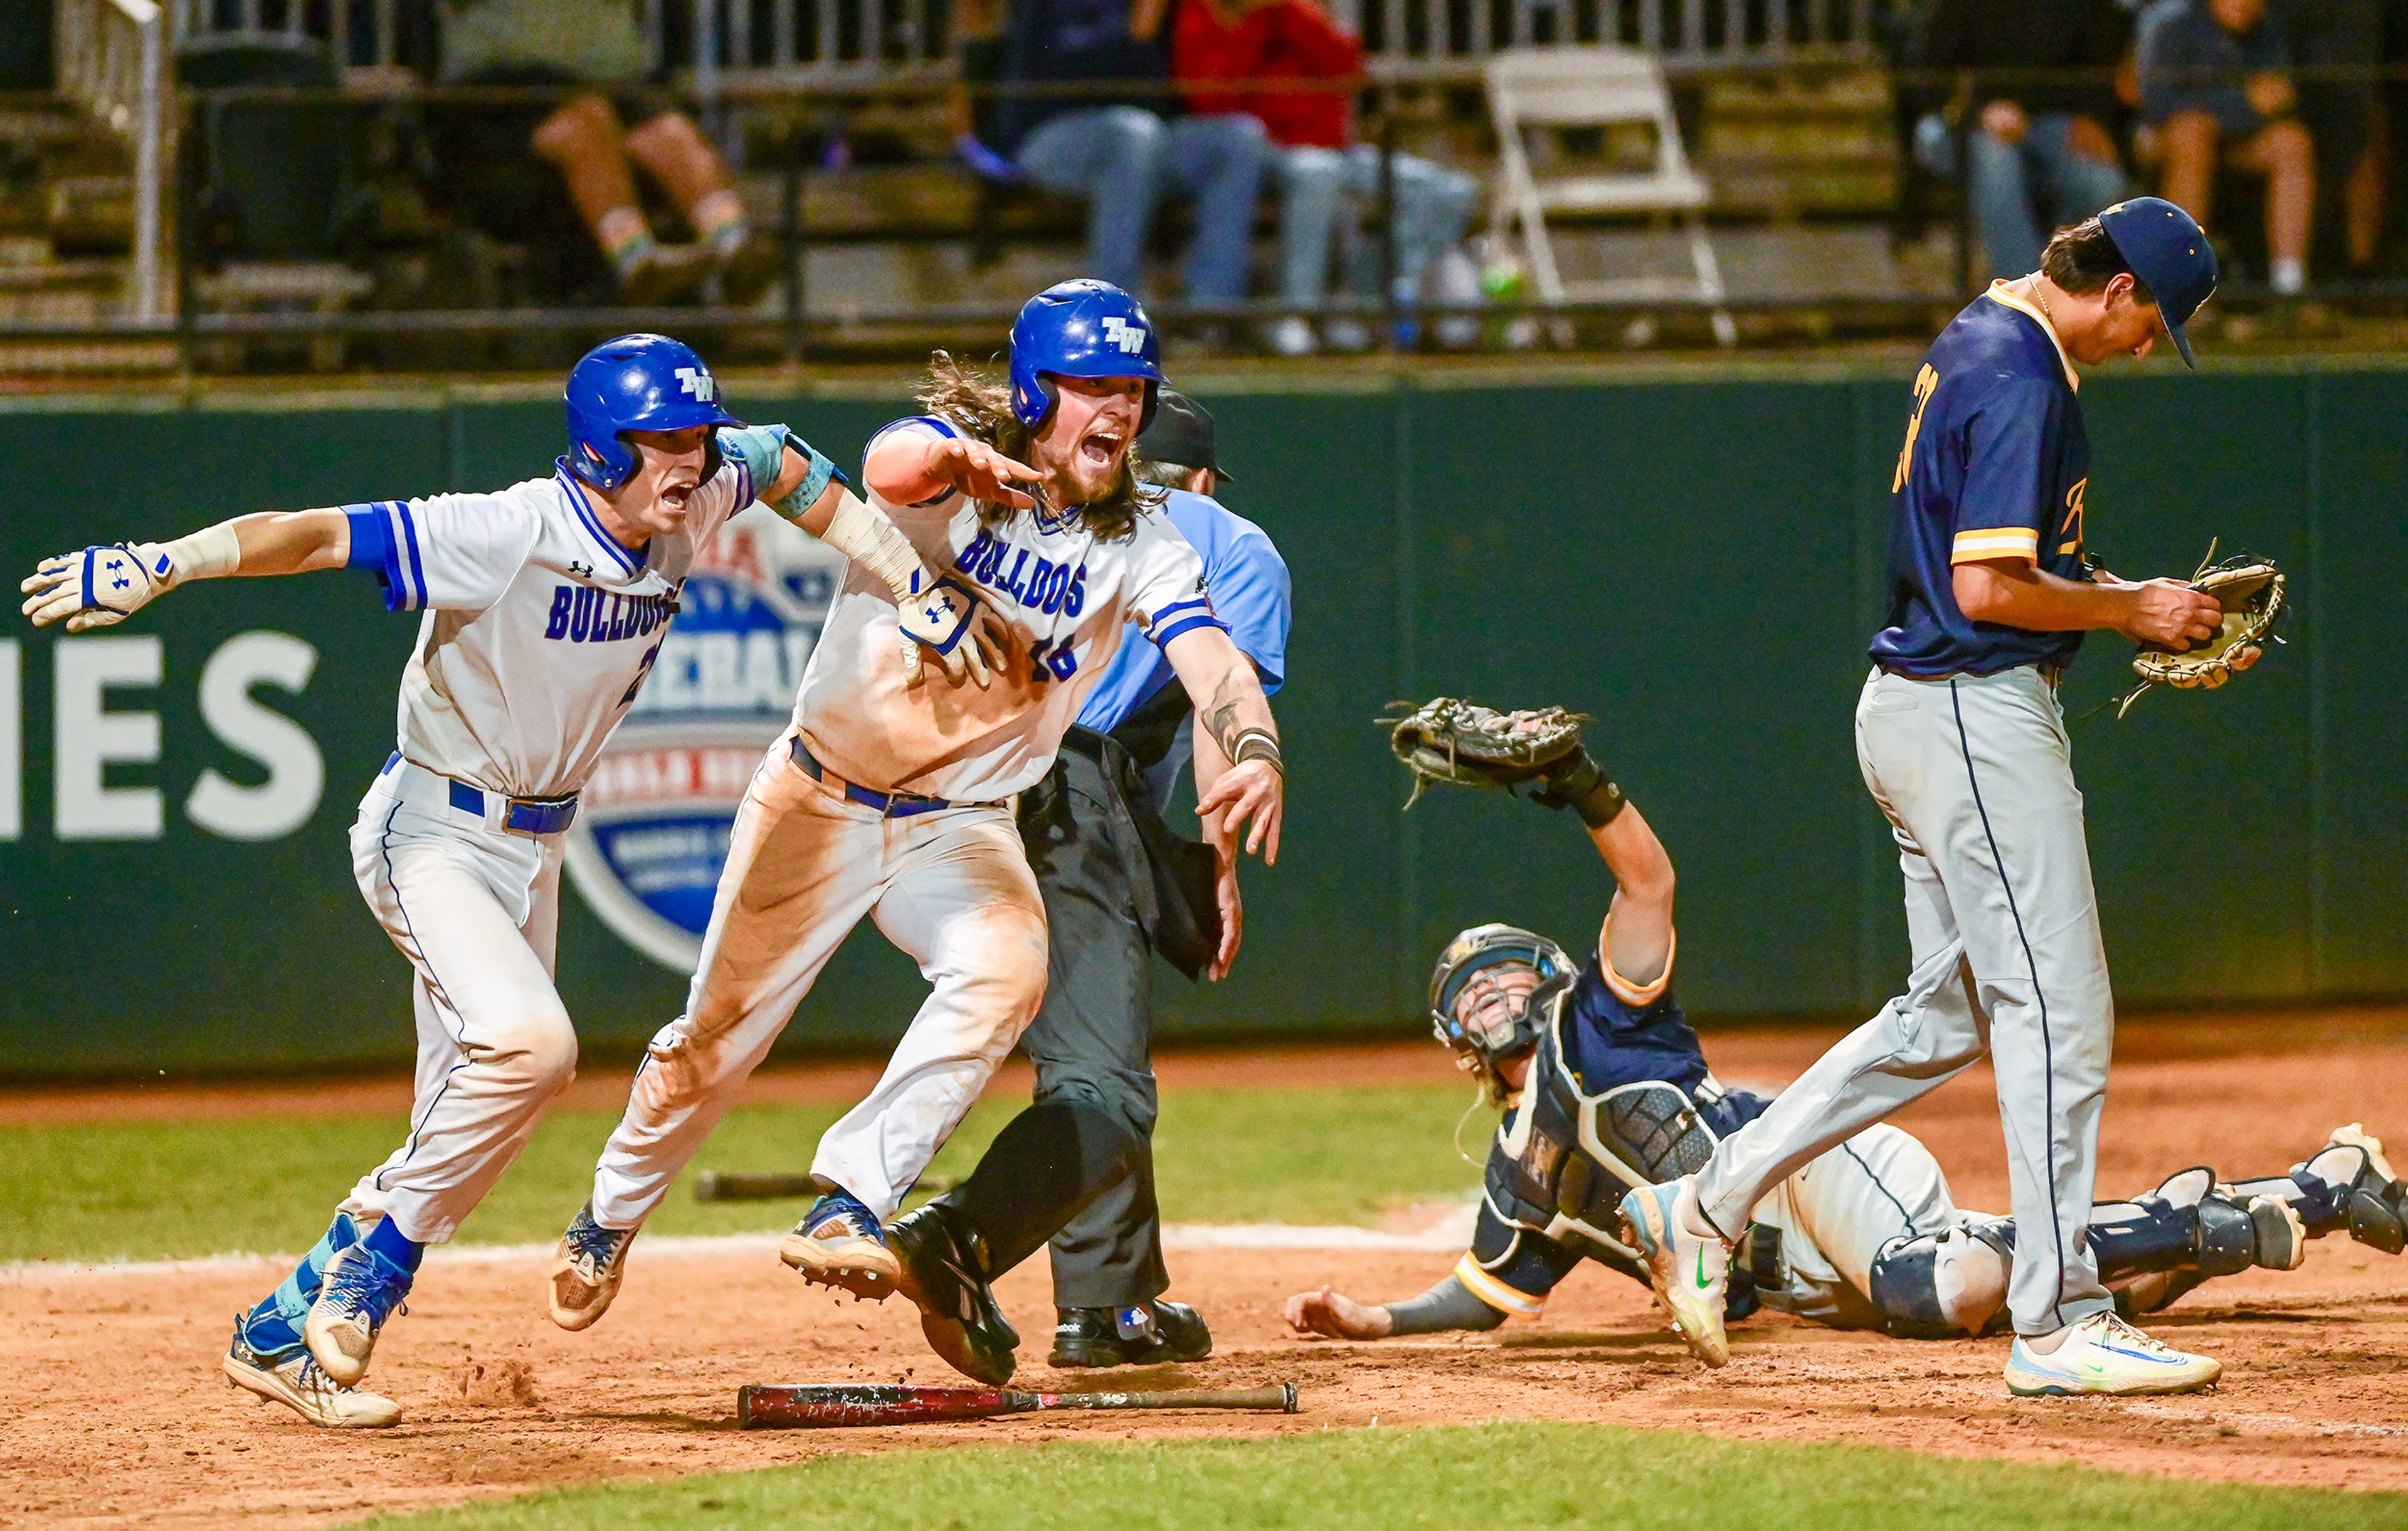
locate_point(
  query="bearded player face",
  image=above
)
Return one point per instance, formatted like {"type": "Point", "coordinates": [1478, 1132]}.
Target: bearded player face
{"type": "Point", "coordinates": [1088, 436]}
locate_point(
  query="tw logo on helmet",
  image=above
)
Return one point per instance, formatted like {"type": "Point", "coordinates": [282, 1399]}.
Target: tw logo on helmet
{"type": "Point", "coordinates": [699, 382]}
{"type": "Point", "coordinates": [1129, 338]}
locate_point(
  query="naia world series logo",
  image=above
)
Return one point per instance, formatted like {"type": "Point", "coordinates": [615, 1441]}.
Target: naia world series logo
{"type": "Point", "coordinates": [653, 824]}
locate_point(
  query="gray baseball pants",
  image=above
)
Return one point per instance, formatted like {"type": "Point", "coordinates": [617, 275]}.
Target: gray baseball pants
{"type": "Point", "coordinates": [1976, 774]}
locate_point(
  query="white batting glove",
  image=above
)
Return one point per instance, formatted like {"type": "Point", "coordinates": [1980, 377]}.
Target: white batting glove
{"type": "Point", "coordinates": [98, 586]}
{"type": "Point", "coordinates": [942, 618]}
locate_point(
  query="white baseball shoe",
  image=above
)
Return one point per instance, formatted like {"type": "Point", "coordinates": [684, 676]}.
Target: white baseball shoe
{"type": "Point", "coordinates": [586, 1270]}
{"type": "Point", "coordinates": [1689, 1273]}
{"type": "Point", "coordinates": [2102, 1354]}
{"type": "Point", "coordinates": [301, 1385]}
{"type": "Point", "coordinates": [362, 1290]}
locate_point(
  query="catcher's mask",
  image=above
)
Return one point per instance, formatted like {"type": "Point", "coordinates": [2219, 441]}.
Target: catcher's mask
{"type": "Point", "coordinates": [1512, 1030]}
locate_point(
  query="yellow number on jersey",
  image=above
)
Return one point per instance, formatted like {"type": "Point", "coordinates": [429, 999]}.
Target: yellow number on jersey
{"type": "Point", "coordinates": [1927, 382]}
{"type": "Point", "coordinates": [2071, 531]}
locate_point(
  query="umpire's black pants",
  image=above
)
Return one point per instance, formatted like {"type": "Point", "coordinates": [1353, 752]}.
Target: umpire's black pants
{"type": "Point", "coordinates": [1090, 1039]}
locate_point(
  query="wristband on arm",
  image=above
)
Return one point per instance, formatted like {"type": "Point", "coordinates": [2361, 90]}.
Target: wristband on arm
{"type": "Point", "coordinates": [210, 554]}
{"type": "Point", "coordinates": [869, 539]}
{"type": "Point", "coordinates": [1258, 744]}
{"type": "Point", "coordinates": [1449, 1305]}
{"type": "Point", "coordinates": [1581, 784]}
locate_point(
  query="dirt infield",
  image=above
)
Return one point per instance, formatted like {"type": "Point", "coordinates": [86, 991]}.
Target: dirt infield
{"type": "Point", "coordinates": [117, 1415]}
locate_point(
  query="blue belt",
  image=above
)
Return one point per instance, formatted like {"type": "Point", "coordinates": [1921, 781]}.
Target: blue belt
{"type": "Point", "coordinates": [894, 805]}
{"type": "Point", "coordinates": [520, 815]}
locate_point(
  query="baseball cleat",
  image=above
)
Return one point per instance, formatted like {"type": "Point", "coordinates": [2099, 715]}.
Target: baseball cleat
{"type": "Point", "coordinates": [944, 1264]}
{"type": "Point", "coordinates": [297, 1381]}
{"type": "Point", "coordinates": [838, 1243]}
{"type": "Point", "coordinates": [362, 1290]}
{"type": "Point", "coordinates": [1689, 1273]}
{"type": "Point", "coordinates": [586, 1270]}
{"type": "Point", "coordinates": [2104, 1355]}
{"type": "Point", "coordinates": [1148, 1334]}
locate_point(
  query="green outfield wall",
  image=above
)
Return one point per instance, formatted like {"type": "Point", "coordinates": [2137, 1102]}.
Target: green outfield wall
{"type": "Point", "coordinates": [1698, 562]}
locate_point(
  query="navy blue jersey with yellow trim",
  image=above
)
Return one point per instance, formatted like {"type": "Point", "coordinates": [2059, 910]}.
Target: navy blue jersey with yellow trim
{"type": "Point", "coordinates": [1995, 466]}
{"type": "Point", "coordinates": [1611, 1032]}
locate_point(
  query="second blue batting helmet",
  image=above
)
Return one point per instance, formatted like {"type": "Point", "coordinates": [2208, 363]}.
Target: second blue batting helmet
{"type": "Point", "coordinates": [638, 382]}
{"type": "Point", "coordinates": [1083, 328]}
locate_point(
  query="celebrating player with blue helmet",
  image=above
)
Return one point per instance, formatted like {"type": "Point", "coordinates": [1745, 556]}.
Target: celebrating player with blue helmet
{"type": "Point", "coordinates": [1606, 1090]}
{"type": "Point", "coordinates": [544, 606]}
{"type": "Point", "coordinates": [877, 801]}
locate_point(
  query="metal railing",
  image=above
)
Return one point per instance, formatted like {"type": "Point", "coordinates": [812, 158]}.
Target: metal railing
{"type": "Point", "coordinates": [773, 44]}
{"type": "Point", "coordinates": [112, 58]}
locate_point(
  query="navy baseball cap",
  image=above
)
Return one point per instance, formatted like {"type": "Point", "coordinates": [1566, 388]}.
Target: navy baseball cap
{"type": "Point", "coordinates": [1181, 432]}
{"type": "Point", "coordinates": [2169, 252]}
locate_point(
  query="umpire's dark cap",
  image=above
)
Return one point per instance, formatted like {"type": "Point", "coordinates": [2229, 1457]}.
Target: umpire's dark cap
{"type": "Point", "coordinates": [1182, 433]}
{"type": "Point", "coordinates": [2170, 255]}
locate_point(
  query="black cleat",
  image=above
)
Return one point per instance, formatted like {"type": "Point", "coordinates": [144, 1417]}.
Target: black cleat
{"type": "Point", "coordinates": [1150, 1333]}
{"type": "Point", "coordinates": [944, 1265]}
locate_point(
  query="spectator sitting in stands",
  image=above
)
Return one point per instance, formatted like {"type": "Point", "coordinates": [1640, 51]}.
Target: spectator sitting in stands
{"type": "Point", "coordinates": [578, 178]}
{"type": "Point", "coordinates": [2215, 83]}
{"type": "Point", "coordinates": [1322, 169]}
{"type": "Point", "coordinates": [2344, 117]}
{"type": "Point", "coordinates": [1115, 150]}
{"type": "Point", "coordinates": [2032, 143]}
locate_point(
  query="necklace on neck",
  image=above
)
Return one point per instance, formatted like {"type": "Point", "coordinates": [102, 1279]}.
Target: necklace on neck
{"type": "Point", "coordinates": [2040, 295]}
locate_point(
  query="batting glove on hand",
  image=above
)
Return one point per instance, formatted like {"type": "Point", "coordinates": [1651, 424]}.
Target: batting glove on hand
{"type": "Point", "coordinates": [97, 586]}
{"type": "Point", "coordinates": [942, 616]}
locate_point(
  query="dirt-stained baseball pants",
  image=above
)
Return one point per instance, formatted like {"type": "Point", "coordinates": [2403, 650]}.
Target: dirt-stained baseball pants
{"type": "Point", "coordinates": [475, 910]}
{"type": "Point", "coordinates": [1976, 774]}
{"type": "Point", "coordinates": [951, 888]}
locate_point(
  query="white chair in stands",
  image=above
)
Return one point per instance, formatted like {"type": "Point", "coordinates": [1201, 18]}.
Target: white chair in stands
{"type": "Point", "coordinates": [1595, 87]}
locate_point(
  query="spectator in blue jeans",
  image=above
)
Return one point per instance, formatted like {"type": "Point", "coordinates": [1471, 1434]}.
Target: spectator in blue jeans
{"type": "Point", "coordinates": [1122, 155]}
{"type": "Point", "coordinates": [2036, 147]}
{"type": "Point", "coordinates": [1252, 56]}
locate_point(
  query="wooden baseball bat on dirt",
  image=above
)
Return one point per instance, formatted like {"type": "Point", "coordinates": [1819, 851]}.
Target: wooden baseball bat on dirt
{"type": "Point", "coordinates": [812, 1406]}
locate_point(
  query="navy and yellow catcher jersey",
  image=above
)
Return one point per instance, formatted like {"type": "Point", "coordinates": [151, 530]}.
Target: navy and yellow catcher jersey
{"type": "Point", "coordinates": [1994, 466]}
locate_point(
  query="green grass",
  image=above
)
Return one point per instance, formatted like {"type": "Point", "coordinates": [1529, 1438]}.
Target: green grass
{"type": "Point", "coordinates": [1481, 1476]}
{"type": "Point", "coordinates": [148, 1191]}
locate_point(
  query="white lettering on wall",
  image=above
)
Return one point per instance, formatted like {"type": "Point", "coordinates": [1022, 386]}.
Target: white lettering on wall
{"type": "Point", "coordinates": [12, 741]}
{"type": "Point", "coordinates": [89, 737]}
{"type": "Point", "coordinates": [297, 772]}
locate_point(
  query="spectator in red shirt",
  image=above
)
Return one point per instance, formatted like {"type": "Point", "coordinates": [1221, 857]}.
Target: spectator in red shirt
{"type": "Point", "coordinates": [1220, 49]}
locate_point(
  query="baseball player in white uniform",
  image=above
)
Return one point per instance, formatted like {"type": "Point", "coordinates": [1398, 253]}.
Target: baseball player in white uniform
{"type": "Point", "coordinates": [879, 802]}
{"type": "Point", "coordinates": [545, 604]}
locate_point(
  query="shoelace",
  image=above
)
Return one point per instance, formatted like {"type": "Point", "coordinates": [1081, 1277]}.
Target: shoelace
{"type": "Point", "coordinates": [2117, 1329]}
{"type": "Point", "coordinates": [596, 1245]}
{"type": "Point", "coordinates": [368, 1287]}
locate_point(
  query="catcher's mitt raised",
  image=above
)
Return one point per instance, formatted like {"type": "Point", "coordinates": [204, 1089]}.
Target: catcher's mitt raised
{"type": "Point", "coordinates": [2251, 593]}
{"type": "Point", "coordinates": [1463, 744]}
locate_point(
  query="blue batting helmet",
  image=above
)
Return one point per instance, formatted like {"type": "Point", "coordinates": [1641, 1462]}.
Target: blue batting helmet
{"type": "Point", "coordinates": [1084, 328]}
{"type": "Point", "coordinates": [638, 382]}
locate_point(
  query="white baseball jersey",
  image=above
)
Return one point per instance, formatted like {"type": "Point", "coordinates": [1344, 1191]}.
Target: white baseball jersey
{"type": "Point", "coordinates": [540, 627]}
{"type": "Point", "coordinates": [1066, 594]}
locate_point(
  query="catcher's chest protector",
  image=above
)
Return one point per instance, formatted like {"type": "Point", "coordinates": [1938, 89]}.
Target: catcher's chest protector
{"type": "Point", "coordinates": [1563, 1165]}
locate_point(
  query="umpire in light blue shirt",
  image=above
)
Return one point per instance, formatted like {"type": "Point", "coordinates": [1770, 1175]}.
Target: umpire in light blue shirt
{"type": "Point", "coordinates": [1119, 887]}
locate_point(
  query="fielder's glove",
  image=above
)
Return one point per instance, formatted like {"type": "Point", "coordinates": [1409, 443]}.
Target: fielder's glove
{"type": "Point", "coordinates": [99, 585]}
{"type": "Point", "coordinates": [2251, 593]}
{"type": "Point", "coordinates": [1463, 744]}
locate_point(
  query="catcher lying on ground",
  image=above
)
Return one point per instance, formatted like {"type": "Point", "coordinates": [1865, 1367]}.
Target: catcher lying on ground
{"type": "Point", "coordinates": [1605, 1088]}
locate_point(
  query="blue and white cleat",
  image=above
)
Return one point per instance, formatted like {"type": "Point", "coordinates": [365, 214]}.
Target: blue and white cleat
{"type": "Point", "coordinates": [293, 1377]}
{"type": "Point", "coordinates": [838, 1243]}
{"type": "Point", "coordinates": [2102, 1354]}
{"type": "Point", "coordinates": [362, 1290]}
{"type": "Point", "coordinates": [586, 1270]}
{"type": "Point", "coordinates": [1689, 1273]}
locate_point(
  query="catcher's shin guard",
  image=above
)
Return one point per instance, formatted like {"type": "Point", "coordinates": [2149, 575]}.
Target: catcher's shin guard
{"type": "Point", "coordinates": [2191, 1226]}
